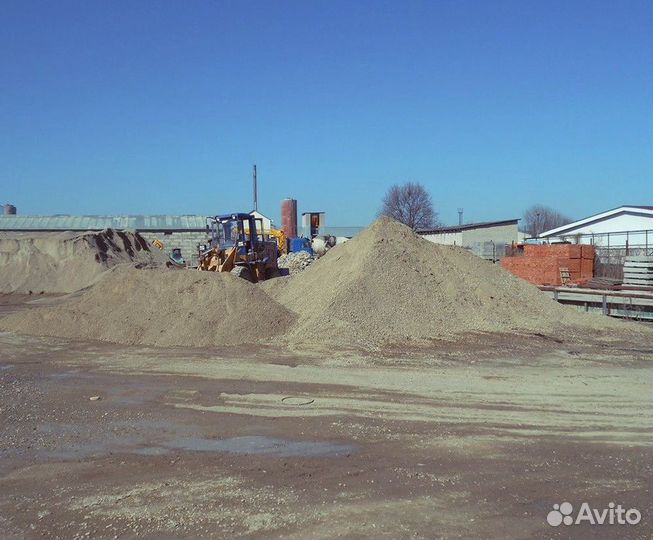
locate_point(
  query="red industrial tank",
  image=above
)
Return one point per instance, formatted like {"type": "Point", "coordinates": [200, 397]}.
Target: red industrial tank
{"type": "Point", "coordinates": [289, 217]}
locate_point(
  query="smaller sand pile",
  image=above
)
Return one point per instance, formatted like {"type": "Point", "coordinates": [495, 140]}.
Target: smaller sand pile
{"type": "Point", "coordinates": [161, 307]}
{"type": "Point", "coordinates": [67, 261]}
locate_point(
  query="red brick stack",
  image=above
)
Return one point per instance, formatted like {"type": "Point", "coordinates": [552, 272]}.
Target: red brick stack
{"type": "Point", "coordinates": [540, 264]}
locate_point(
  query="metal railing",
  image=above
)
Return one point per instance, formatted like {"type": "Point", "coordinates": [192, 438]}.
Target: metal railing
{"type": "Point", "coordinates": [611, 247]}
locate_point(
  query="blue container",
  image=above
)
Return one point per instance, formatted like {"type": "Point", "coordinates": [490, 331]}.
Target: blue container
{"type": "Point", "coordinates": [300, 244]}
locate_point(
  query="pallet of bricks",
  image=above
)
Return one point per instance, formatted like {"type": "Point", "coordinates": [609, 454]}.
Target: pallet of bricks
{"type": "Point", "coordinates": [546, 264]}
{"type": "Point", "coordinates": [638, 271]}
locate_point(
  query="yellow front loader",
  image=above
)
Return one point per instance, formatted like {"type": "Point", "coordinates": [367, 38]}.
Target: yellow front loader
{"type": "Point", "coordinates": [237, 247]}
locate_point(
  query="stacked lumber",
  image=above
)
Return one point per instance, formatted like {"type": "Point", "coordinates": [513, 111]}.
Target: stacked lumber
{"type": "Point", "coordinates": [638, 271]}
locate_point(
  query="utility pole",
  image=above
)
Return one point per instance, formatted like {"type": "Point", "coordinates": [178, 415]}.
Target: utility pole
{"type": "Point", "coordinates": [460, 216]}
{"type": "Point", "coordinates": [255, 190]}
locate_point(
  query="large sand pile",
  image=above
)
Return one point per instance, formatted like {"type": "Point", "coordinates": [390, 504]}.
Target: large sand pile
{"type": "Point", "coordinates": [67, 261]}
{"type": "Point", "coordinates": [390, 286]}
{"type": "Point", "coordinates": [161, 307]}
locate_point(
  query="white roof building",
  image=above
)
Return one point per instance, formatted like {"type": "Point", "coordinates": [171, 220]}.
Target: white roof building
{"type": "Point", "coordinates": [267, 222]}
{"type": "Point", "coordinates": [626, 226]}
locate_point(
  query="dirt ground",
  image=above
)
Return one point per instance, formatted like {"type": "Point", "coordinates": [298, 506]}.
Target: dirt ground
{"type": "Point", "coordinates": [474, 440]}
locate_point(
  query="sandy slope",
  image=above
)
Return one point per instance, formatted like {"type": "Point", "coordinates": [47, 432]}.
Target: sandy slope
{"type": "Point", "coordinates": [67, 261]}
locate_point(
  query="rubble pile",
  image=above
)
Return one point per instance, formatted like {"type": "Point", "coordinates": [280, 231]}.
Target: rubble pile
{"type": "Point", "coordinates": [296, 262]}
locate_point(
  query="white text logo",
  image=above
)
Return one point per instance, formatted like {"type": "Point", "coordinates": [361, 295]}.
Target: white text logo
{"type": "Point", "coordinates": [614, 514]}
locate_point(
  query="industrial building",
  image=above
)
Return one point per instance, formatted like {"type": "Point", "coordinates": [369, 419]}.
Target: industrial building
{"type": "Point", "coordinates": [183, 232]}
{"type": "Point", "coordinates": [620, 227]}
{"type": "Point", "coordinates": [314, 224]}
{"type": "Point", "coordinates": [175, 232]}
{"type": "Point", "coordinates": [488, 239]}
{"type": "Point", "coordinates": [617, 233]}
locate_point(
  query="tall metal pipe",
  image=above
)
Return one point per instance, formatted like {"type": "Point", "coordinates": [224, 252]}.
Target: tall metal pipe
{"type": "Point", "coordinates": [255, 190]}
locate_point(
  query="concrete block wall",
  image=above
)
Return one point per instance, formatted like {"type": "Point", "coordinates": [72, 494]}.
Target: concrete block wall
{"type": "Point", "coordinates": [540, 264]}
{"type": "Point", "coordinates": [500, 234]}
{"type": "Point", "coordinates": [186, 241]}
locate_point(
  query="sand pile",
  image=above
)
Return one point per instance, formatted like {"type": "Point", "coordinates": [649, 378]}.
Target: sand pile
{"type": "Point", "coordinates": [390, 286]}
{"type": "Point", "coordinates": [161, 307]}
{"type": "Point", "coordinates": [66, 261]}
{"type": "Point", "coordinates": [387, 286]}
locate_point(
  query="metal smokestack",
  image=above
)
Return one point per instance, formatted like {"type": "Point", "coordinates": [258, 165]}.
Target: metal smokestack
{"type": "Point", "coordinates": [460, 216]}
{"type": "Point", "coordinates": [255, 189]}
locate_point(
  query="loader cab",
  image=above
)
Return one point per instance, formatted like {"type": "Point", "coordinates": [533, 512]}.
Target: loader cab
{"type": "Point", "coordinates": [234, 230]}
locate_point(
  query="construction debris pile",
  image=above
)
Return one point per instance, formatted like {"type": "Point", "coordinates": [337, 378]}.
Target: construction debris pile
{"type": "Point", "coordinates": [296, 261]}
{"type": "Point", "coordinates": [49, 262]}
{"type": "Point", "coordinates": [385, 287]}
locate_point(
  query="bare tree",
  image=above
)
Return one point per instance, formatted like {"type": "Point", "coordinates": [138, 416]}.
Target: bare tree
{"type": "Point", "coordinates": [539, 218]}
{"type": "Point", "coordinates": [410, 204]}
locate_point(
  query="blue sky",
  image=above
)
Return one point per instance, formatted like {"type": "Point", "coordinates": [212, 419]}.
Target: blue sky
{"type": "Point", "coordinates": [162, 107]}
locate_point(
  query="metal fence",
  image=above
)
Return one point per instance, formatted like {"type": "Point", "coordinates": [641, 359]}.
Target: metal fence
{"type": "Point", "coordinates": [612, 247]}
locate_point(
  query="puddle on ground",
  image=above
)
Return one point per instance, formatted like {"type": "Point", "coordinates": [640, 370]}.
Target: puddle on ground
{"type": "Point", "coordinates": [66, 441]}
{"type": "Point", "coordinates": [67, 375]}
{"type": "Point", "coordinates": [151, 451]}
{"type": "Point", "coordinates": [270, 446]}
{"type": "Point", "coordinates": [79, 441]}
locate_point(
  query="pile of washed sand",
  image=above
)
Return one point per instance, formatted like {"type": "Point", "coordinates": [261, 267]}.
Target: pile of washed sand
{"type": "Point", "coordinates": [160, 307]}
{"type": "Point", "coordinates": [63, 262]}
{"type": "Point", "coordinates": [389, 286]}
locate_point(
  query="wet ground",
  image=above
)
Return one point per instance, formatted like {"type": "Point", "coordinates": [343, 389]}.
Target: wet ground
{"type": "Point", "coordinates": [478, 441]}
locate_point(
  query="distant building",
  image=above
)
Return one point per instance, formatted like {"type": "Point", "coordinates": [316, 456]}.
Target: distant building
{"type": "Point", "coordinates": [487, 239]}
{"type": "Point", "coordinates": [175, 232]}
{"type": "Point", "coordinates": [314, 224]}
{"type": "Point", "coordinates": [623, 227]}
{"type": "Point", "coordinates": [267, 222]}
{"type": "Point", "coordinates": [342, 232]}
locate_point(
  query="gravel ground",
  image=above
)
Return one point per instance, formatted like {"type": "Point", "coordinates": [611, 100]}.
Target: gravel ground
{"type": "Point", "coordinates": [478, 440]}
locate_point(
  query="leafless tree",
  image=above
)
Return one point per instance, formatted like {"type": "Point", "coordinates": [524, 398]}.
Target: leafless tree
{"type": "Point", "coordinates": [539, 218]}
{"type": "Point", "coordinates": [411, 204]}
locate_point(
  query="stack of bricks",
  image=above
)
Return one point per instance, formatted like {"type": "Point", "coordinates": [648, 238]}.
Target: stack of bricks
{"type": "Point", "coordinates": [541, 264]}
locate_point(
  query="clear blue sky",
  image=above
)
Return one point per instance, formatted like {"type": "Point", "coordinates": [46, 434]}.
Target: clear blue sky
{"type": "Point", "coordinates": [162, 107]}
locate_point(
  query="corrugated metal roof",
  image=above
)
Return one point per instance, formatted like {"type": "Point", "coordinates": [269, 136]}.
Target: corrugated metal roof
{"type": "Point", "coordinates": [85, 223]}
{"type": "Point", "coordinates": [468, 226]}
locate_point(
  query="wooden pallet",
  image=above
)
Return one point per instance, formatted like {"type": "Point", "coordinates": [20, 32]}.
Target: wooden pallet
{"type": "Point", "coordinates": [565, 275]}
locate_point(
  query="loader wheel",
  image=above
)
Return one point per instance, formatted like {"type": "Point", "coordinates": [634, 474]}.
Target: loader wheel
{"type": "Point", "coordinates": [242, 272]}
